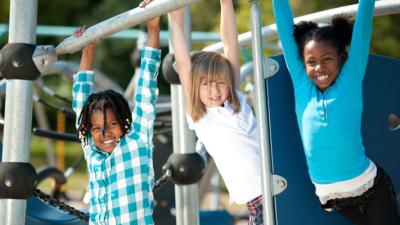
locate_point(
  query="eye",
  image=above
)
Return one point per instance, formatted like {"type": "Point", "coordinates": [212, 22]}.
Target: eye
{"type": "Point", "coordinates": [112, 125]}
{"type": "Point", "coordinates": [310, 63]}
{"type": "Point", "coordinates": [95, 129]}
{"type": "Point", "coordinates": [221, 82]}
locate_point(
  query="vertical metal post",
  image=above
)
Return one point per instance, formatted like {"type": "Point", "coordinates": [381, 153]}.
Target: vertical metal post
{"type": "Point", "coordinates": [186, 196]}
{"type": "Point", "coordinates": [262, 112]}
{"type": "Point", "coordinates": [18, 109]}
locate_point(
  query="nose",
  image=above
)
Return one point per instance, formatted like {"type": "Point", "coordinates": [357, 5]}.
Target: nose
{"type": "Point", "coordinates": [105, 131]}
{"type": "Point", "coordinates": [318, 68]}
{"type": "Point", "coordinates": [214, 89]}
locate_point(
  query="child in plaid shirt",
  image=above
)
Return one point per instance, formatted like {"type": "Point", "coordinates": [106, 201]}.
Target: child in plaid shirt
{"type": "Point", "coordinates": [117, 143]}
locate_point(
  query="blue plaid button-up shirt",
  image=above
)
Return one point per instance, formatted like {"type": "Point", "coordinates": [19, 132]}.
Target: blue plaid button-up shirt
{"type": "Point", "coordinates": [121, 182]}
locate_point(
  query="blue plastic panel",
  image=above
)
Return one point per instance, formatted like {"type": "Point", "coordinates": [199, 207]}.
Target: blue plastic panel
{"type": "Point", "coordinates": [216, 217]}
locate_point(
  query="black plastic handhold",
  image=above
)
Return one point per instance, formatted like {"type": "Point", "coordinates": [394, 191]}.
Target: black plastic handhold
{"type": "Point", "coordinates": [185, 168]}
{"type": "Point", "coordinates": [168, 70]}
{"type": "Point", "coordinates": [17, 63]}
{"type": "Point", "coordinates": [17, 180]}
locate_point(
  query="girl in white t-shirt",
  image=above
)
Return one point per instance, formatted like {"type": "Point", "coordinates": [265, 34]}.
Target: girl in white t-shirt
{"type": "Point", "coordinates": [218, 112]}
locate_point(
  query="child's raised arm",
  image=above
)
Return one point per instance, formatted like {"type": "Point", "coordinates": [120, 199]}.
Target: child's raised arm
{"type": "Point", "coordinates": [144, 112]}
{"type": "Point", "coordinates": [84, 79]}
{"type": "Point", "coordinates": [87, 52]}
{"type": "Point", "coordinates": [181, 50]}
{"type": "Point", "coordinates": [356, 63]}
{"type": "Point", "coordinates": [229, 37]}
{"type": "Point", "coordinates": [285, 26]}
{"type": "Point", "coordinates": [153, 32]}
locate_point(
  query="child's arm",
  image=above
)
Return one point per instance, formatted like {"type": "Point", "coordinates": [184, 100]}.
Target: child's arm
{"type": "Point", "coordinates": [356, 63]}
{"type": "Point", "coordinates": [285, 26]}
{"type": "Point", "coordinates": [84, 79]}
{"type": "Point", "coordinates": [153, 30]}
{"type": "Point", "coordinates": [181, 51]}
{"type": "Point", "coordinates": [144, 113]}
{"type": "Point", "coordinates": [229, 37]}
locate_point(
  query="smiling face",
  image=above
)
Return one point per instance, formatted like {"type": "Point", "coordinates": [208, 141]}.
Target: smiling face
{"type": "Point", "coordinates": [105, 140]}
{"type": "Point", "coordinates": [322, 63]}
{"type": "Point", "coordinates": [213, 93]}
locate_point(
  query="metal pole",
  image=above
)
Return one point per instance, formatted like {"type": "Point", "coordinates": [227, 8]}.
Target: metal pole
{"type": "Point", "coordinates": [120, 22]}
{"type": "Point", "coordinates": [269, 32]}
{"type": "Point", "coordinates": [262, 112]}
{"type": "Point", "coordinates": [18, 110]}
{"type": "Point", "coordinates": [186, 196]}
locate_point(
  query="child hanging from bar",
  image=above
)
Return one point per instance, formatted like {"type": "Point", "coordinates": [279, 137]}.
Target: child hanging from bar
{"type": "Point", "coordinates": [327, 84]}
{"type": "Point", "coordinates": [117, 144]}
{"type": "Point", "coordinates": [218, 111]}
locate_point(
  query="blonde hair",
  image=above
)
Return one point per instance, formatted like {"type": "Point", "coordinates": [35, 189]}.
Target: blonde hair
{"type": "Point", "coordinates": [210, 66]}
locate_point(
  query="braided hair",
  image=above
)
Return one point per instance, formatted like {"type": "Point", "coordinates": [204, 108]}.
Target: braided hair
{"type": "Point", "coordinates": [102, 101]}
{"type": "Point", "coordinates": [337, 35]}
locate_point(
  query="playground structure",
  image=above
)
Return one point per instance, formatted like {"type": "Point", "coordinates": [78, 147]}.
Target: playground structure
{"type": "Point", "coordinates": [19, 100]}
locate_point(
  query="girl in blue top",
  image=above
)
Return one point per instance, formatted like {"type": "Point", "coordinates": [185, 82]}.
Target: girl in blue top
{"type": "Point", "coordinates": [328, 91]}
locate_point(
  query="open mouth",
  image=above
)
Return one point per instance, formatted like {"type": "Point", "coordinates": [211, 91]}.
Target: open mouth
{"type": "Point", "coordinates": [322, 77]}
{"type": "Point", "coordinates": [215, 98]}
{"type": "Point", "coordinates": [108, 142]}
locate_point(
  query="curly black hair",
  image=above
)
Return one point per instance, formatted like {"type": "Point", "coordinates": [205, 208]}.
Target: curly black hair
{"type": "Point", "coordinates": [338, 34]}
{"type": "Point", "coordinates": [102, 101]}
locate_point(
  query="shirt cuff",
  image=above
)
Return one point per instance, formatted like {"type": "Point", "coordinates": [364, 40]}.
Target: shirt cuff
{"type": "Point", "coordinates": [84, 76]}
{"type": "Point", "coordinates": [151, 53]}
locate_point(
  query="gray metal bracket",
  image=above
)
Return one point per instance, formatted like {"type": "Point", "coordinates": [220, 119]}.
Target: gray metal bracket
{"type": "Point", "coordinates": [44, 57]}
{"type": "Point", "coordinates": [279, 184]}
{"type": "Point", "coordinates": [271, 67]}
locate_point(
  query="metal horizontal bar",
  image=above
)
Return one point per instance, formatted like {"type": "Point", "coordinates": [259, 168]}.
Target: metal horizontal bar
{"type": "Point", "coordinates": [269, 32]}
{"type": "Point", "coordinates": [120, 22]}
{"type": "Point", "coordinates": [66, 31]}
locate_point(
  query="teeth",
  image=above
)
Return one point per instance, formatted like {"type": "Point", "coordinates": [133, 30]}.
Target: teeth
{"type": "Point", "coordinates": [107, 142]}
{"type": "Point", "coordinates": [322, 77]}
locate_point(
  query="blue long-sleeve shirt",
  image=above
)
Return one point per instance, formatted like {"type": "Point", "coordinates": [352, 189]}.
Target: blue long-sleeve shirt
{"type": "Point", "coordinates": [330, 121]}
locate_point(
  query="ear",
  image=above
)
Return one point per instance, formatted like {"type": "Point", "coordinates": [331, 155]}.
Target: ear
{"type": "Point", "coordinates": [342, 58]}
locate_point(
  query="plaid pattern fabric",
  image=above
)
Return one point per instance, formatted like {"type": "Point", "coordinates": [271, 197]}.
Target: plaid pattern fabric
{"type": "Point", "coordinates": [255, 208]}
{"type": "Point", "coordinates": [121, 182]}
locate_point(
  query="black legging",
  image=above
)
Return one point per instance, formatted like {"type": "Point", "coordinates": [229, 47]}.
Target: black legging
{"type": "Point", "coordinates": [377, 206]}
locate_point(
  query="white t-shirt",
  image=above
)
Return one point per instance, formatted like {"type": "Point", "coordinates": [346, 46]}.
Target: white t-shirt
{"type": "Point", "coordinates": [232, 140]}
